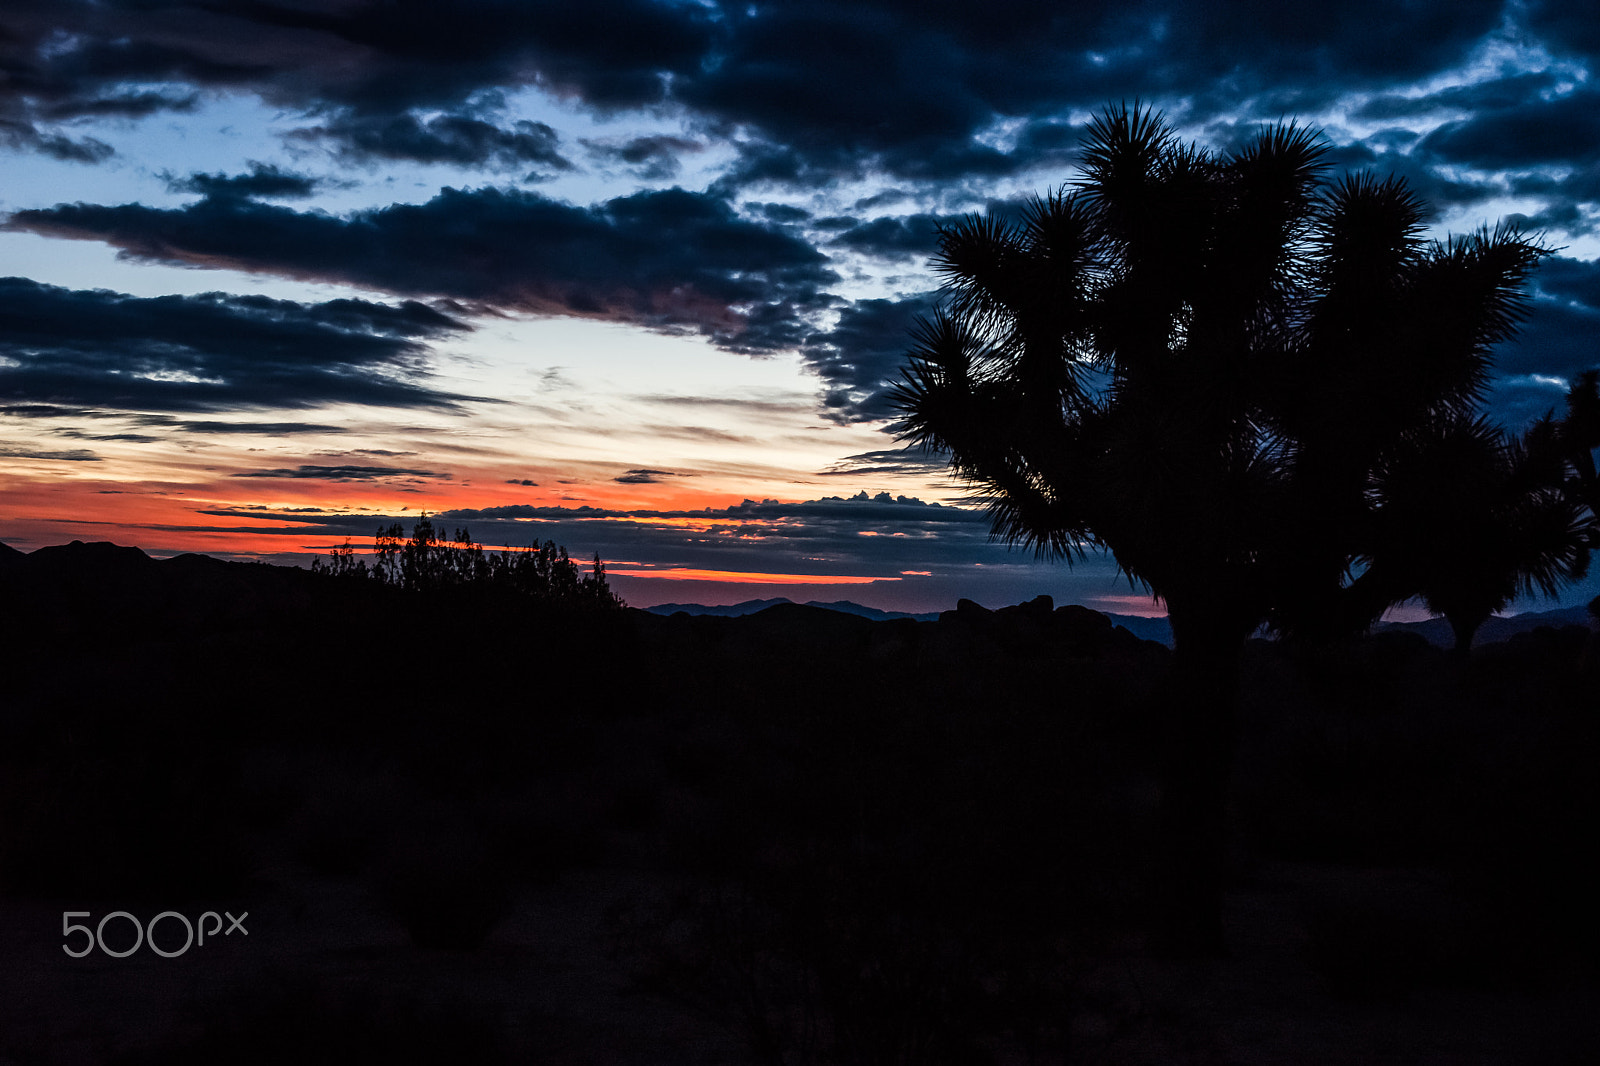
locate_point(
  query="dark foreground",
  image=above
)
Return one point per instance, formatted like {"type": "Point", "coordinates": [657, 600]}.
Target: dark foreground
{"type": "Point", "coordinates": [469, 832]}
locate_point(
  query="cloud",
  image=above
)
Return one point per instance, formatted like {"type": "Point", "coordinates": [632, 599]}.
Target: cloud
{"type": "Point", "coordinates": [879, 534]}
{"type": "Point", "coordinates": [907, 237]}
{"type": "Point", "coordinates": [71, 455]}
{"type": "Point", "coordinates": [887, 461]}
{"type": "Point", "coordinates": [1533, 132]}
{"type": "Point", "coordinates": [64, 348]}
{"type": "Point", "coordinates": [809, 89]}
{"type": "Point", "coordinates": [24, 136]}
{"type": "Point", "coordinates": [132, 438]}
{"type": "Point", "coordinates": [263, 180]}
{"type": "Point", "coordinates": [1494, 94]}
{"type": "Point", "coordinates": [651, 158]}
{"type": "Point", "coordinates": [661, 259]}
{"type": "Point", "coordinates": [462, 140]}
{"type": "Point", "coordinates": [269, 429]}
{"type": "Point", "coordinates": [932, 100]}
{"type": "Point", "coordinates": [859, 359]}
{"type": "Point", "coordinates": [168, 422]}
{"type": "Point", "coordinates": [1574, 281]}
{"type": "Point", "coordinates": [66, 57]}
{"type": "Point", "coordinates": [645, 477]}
{"type": "Point", "coordinates": [342, 473]}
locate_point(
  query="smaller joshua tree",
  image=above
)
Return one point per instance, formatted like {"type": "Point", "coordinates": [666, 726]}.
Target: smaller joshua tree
{"type": "Point", "coordinates": [1468, 518]}
{"type": "Point", "coordinates": [429, 561]}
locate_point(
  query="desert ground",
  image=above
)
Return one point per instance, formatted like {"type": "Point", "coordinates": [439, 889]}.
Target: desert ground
{"type": "Point", "coordinates": [470, 829]}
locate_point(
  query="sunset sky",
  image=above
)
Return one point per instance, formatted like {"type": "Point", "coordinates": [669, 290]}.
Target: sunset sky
{"type": "Point", "coordinates": [635, 276]}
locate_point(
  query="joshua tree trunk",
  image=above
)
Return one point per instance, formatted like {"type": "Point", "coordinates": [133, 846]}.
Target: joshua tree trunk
{"type": "Point", "coordinates": [1202, 733]}
{"type": "Point", "coordinates": [1465, 626]}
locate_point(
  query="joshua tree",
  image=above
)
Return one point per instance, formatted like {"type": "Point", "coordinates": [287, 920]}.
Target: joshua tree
{"type": "Point", "coordinates": [1577, 435]}
{"type": "Point", "coordinates": [1198, 361]}
{"type": "Point", "coordinates": [1468, 518]}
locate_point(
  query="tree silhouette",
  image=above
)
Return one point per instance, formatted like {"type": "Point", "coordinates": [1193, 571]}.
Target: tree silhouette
{"type": "Point", "coordinates": [1467, 519]}
{"type": "Point", "coordinates": [1577, 436]}
{"type": "Point", "coordinates": [428, 561]}
{"type": "Point", "coordinates": [1198, 361]}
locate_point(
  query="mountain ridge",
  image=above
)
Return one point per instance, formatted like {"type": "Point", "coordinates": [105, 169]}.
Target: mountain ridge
{"type": "Point", "coordinates": [1435, 631]}
{"type": "Point", "coordinates": [129, 573]}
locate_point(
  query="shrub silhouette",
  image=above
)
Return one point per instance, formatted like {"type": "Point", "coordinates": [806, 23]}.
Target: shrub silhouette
{"type": "Point", "coordinates": [1197, 361]}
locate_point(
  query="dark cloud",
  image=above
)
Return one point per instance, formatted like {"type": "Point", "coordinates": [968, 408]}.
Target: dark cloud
{"type": "Point", "coordinates": [130, 105]}
{"type": "Point", "coordinates": [1574, 280]}
{"type": "Point", "coordinates": [66, 58]}
{"type": "Point", "coordinates": [462, 140]}
{"type": "Point", "coordinates": [912, 90]}
{"type": "Point", "coordinates": [886, 198]}
{"type": "Point", "coordinates": [877, 510]}
{"type": "Point", "coordinates": [61, 348]}
{"type": "Point", "coordinates": [24, 136]}
{"type": "Point", "coordinates": [807, 92]}
{"type": "Point", "coordinates": [1566, 217]}
{"type": "Point", "coordinates": [753, 407]}
{"type": "Point", "coordinates": [48, 410]}
{"type": "Point", "coordinates": [269, 429]}
{"type": "Point", "coordinates": [342, 473]}
{"type": "Point", "coordinates": [810, 88]}
{"type": "Point", "coordinates": [1495, 94]}
{"type": "Point", "coordinates": [783, 214]}
{"type": "Point", "coordinates": [1565, 130]}
{"type": "Point", "coordinates": [168, 422]}
{"type": "Point", "coordinates": [663, 259]}
{"type": "Point", "coordinates": [522, 481]}
{"type": "Point", "coordinates": [651, 158]}
{"type": "Point", "coordinates": [880, 533]}
{"type": "Point", "coordinates": [263, 180]}
{"type": "Point", "coordinates": [132, 438]}
{"type": "Point", "coordinates": [859, 359]}
{"type": "Point", "coordinates": [23, 451]}
{"type": "Point", "coordinates": [1566, 28]}
{"type": "Point", "coordinates": [1559, 340]}
{"type": "Point", "coordinates": [907, 237]}
{"type": "Point", "coordinates": [945, 93]}
{"type": "Point", "coordinates": [644, 477]}
{"type": "Point", "coordinates": [887, 461]}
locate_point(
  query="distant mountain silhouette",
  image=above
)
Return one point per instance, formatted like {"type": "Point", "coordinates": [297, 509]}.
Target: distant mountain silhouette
{"type": "Point", "coordinates": [1436, 631]}
{"type": "Point", "coordinates": [739, 610]}
{"type": "Point", "coordinates": [68, 587]}
{"type": "Point", "coordinates": [1156, 629]}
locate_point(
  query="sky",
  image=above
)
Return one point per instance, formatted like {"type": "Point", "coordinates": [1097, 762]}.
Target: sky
{"type": "Point", "coordinates": [637, 276]}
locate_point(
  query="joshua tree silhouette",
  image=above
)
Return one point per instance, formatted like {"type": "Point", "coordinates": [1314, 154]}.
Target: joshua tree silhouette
{"type": "Point", "coordinates": [1468, 518]}
{"type": "Point", "coordinates": [1199, 361]}
{"type": "Point", "coordinates": [1577, 437]}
